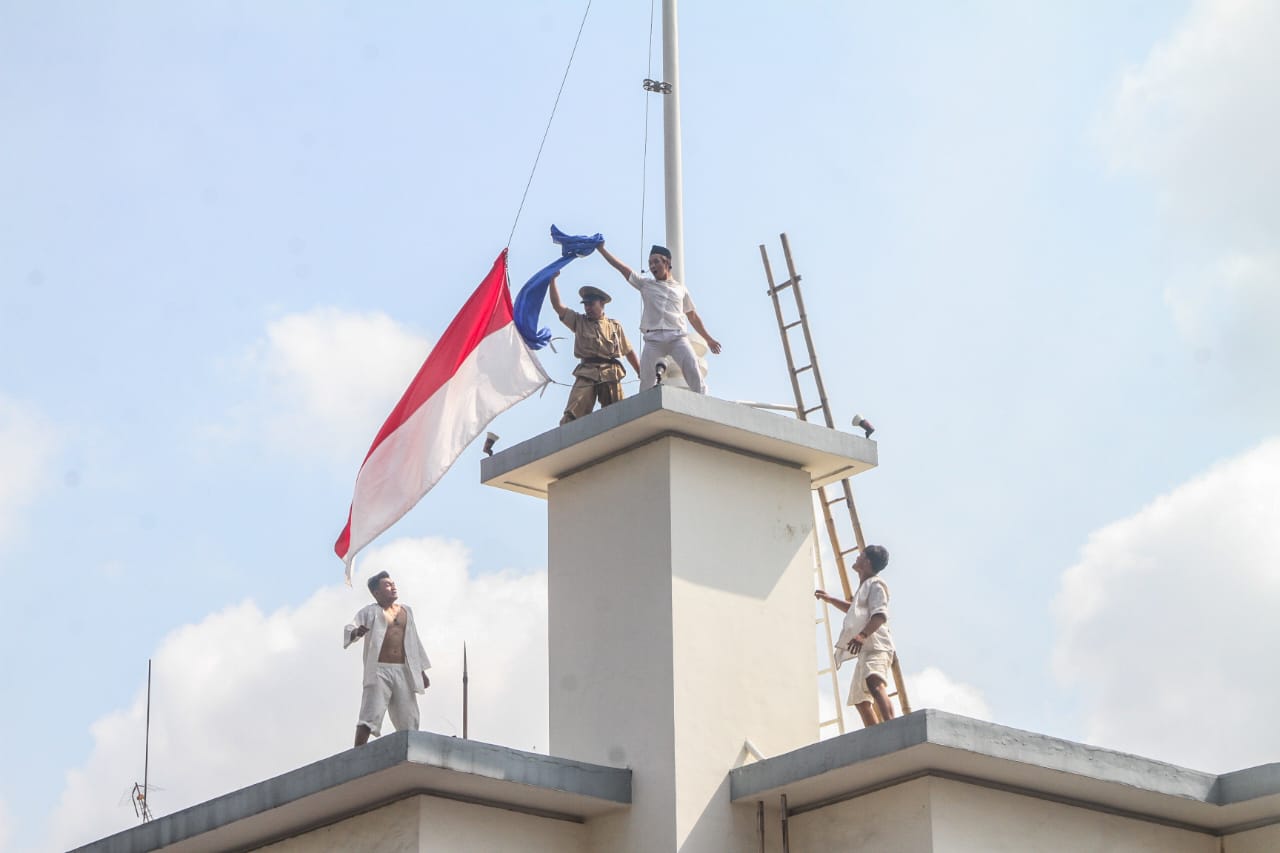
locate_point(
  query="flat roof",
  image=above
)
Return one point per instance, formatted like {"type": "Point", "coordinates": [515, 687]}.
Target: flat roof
{"type": "Point", "coordinates": [385, 770]}
{"type": "Point", "coordinates": [935, 743]}
{"type": "Point", "coordinates": [531, 466]}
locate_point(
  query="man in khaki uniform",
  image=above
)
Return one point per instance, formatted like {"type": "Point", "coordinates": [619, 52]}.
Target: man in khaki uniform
{"type": "Point", "coordinates": [598, 343]}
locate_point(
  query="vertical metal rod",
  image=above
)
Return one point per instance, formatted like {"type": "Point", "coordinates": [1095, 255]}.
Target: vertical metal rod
{"type": "Point", "coordinates": [146, 752]}
{"type": "Point", "coordinates": [786, 832]}
{"type": "Point", "coordinates": [465, 696]}
{"type": "Point", "coordinates": [760, 823]}
{"type": "Point", "coordinates": [671, 139]}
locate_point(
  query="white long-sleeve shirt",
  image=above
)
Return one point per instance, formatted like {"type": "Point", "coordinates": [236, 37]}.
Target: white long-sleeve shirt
{"type": "Point", "coordinates": [373, 618]}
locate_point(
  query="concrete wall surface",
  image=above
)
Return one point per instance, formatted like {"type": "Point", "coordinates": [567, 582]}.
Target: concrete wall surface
{"type": "Point", "coordinates": [448, 826]}
{"type": "Point", "coordinates": [609, 637]}
{"type": "Point", "coordinates": [742, 620]}
{"type": "Point", "coordinates": [968, 817]}
{"type": "Point", "coordinates": [892, 820]}
{"type": "Point", "coordinates": [390, 829]}
{"type": "Point", "coordinates": [680, 615]}
{"type": "Point", "coordinates": [425, 824]}
{"type": "Point", "coordinates": [1265, 839]}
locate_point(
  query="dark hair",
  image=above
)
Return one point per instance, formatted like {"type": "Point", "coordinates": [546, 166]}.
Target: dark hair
{"type": "Point", "coordinates": [878, 556]}
{"type": "Point", "coordinates": [377, 579]}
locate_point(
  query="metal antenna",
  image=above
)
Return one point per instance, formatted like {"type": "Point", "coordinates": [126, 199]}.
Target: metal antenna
{"type": "Point", "coordinates": [465, 698]}
{"type": "Point", "coordinates": [140, 806]}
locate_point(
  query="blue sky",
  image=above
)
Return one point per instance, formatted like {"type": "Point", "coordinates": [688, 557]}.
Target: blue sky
{"type": "Point", "coordinates": [1038, 244]}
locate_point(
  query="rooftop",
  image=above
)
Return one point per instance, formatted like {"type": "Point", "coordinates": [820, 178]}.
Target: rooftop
{"type": "Point", "coordinates": [531, 466]}
{"type": "Point", "coordinates": [386, 770]}
{"type": "Point", "coordinates": [935, 743]}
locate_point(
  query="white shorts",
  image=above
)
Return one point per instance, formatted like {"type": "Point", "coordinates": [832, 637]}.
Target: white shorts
{"type": "Point", "coordinates": [393, 693]}
{"type": "Point", "coordinates": [869, 663]}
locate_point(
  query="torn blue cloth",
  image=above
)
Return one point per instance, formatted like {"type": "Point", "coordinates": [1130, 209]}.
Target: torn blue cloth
{"type": "Point", "coordinates": [528, 302]}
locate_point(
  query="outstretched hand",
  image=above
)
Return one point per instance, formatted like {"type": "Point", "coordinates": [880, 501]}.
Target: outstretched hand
{"type": "Point", "coordinates": [359, 632]}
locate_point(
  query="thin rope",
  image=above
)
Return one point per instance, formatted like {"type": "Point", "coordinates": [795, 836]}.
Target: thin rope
{"type": "Point", "coordinates": [644, 158]}
{"type": "Point", "coordinates": [550, 118]}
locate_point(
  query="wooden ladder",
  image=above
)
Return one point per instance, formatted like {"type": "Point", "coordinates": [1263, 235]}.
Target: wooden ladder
{"type": "Point", "coordinates": [807, 377]}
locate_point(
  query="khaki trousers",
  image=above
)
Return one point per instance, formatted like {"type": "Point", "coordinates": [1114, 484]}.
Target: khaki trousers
{"type": "Point", "coordinates": [583, 396]}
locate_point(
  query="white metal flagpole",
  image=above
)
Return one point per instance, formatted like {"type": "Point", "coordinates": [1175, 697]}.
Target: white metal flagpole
{"type": "Point", "coordinates": [671, 139]}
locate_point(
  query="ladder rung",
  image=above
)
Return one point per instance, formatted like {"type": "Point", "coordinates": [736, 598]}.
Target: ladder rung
{"type": "Point", "coordinates": [830, 722]}
{"type": "Point", "coordinates": [779, 287]}
{"type": "Point", "coordinates": [811, 411]}
{"type": "Point", "coordinates": [793, 325]}
{"type": "Point", "coordinates": [848, 550]}
{"type": "Point", "coordinates": [800, 370]}
{"type": "Point", "coordinates": [829, 670]}
{"type": "Point", "coordinates": [836, 500]}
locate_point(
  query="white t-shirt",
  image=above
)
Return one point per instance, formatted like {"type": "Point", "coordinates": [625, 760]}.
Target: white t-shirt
{"type": "Point", "coordinates": [665, 303]}
{"type": "Point", "coordinates": [871, 598]}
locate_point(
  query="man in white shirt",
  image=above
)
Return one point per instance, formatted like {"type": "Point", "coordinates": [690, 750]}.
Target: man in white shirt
{"type": "Point", "coordinates": [394, 661]}
{"type": "Point", "coordinates": [865, 633]}
{"type": "Point", "coordinates": [667, 304]}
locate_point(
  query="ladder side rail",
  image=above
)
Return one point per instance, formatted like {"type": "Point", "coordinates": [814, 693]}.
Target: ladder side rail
{"type": "Point", "coordinates": [901, 684]}
{"type": "Point", "coordinates": [820, 571]}
{"type": "Point", "coordinates": [833, 539]}
{"type": "Point", "coordinates": [808, 336]}
{"type": "Point", "coordinates": [782, 331]}
{"type": "Point", "coordinates": [853, 514]}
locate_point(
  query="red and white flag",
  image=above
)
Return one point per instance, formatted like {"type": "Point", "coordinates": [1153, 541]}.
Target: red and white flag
{"type": "Point", "coordinates": [479, 368]}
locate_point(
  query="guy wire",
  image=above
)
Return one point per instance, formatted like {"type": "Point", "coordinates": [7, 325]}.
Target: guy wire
{"type": "Point", "coordinates": [550, 118]}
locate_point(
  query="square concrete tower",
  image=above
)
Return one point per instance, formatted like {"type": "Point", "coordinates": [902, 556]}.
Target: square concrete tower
{"type": "Point", "coordinates": [680, 577]}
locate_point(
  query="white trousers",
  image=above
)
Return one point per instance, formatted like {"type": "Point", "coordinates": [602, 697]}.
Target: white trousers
{"type": "Point", "coordinates": [392, 694]}
{"type": "Point", "coordinates": [665, 342]}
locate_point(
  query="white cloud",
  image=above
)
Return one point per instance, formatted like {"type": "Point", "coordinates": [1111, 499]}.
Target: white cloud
{"type": "Point", "coordinates": [27, 445]}
{"type": "Point", "coordinates": [1166, 625]}
{"type": "Point", "coordinates": [245, 695]}
{"type": "Point", "coordinates": [1201, 116]}
{"type": "Point", "coordinates": [1200, 119]}
{"type": "Point", "coordinates": [325, 380]}
{"type": "Point", "coordinates": [933, 688]}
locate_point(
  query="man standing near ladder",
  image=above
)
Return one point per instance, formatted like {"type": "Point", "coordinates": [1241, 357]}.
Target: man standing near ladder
{"type": "Point", "coordinates": [865, 634]}
{"type": "Point", "coordinates": [667, 304]}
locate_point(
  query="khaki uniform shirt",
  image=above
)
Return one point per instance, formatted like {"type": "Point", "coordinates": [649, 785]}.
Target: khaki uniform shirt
{"type": "Point", "coordinates": [603, 338]}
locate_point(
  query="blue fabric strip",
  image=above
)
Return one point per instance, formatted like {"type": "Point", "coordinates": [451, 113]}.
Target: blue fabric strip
{"type": "Point", "coordinates": [528, 302]}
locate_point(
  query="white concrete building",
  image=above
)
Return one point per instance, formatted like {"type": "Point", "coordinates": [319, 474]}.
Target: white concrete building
{"type": "Point", "coordinates": [671, 656]}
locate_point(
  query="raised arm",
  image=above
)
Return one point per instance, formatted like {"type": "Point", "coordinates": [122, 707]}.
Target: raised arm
{"type": "Point", "coordinates": [614, 262]}
{"type": "Point", "coordinates": [556, 305]}
{"type": "Point", "coordinates": [696, 322]}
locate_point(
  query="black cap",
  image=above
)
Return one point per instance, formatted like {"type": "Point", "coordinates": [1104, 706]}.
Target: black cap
{"type": "Point", "coordinates": [590, 293]}
{"type": "Point", "coordinates": [661, 250]}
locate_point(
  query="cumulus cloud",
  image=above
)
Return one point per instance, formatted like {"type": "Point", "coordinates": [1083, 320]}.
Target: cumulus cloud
{"type": "Point", "coordinates": [1200, 120]}
{"type": "Point", "coordinates": [1201, 116]}
{"type": "Point", "coordinates": [933, 688]}
{"type": "Point", "coordinates": [245, 695]}
{"type": "Point", "coordinates": [27, 445]}
{"type": "Point", "coordinates": [325, 380]}
{"type": "Point", "coordinates": [1166, 625]}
